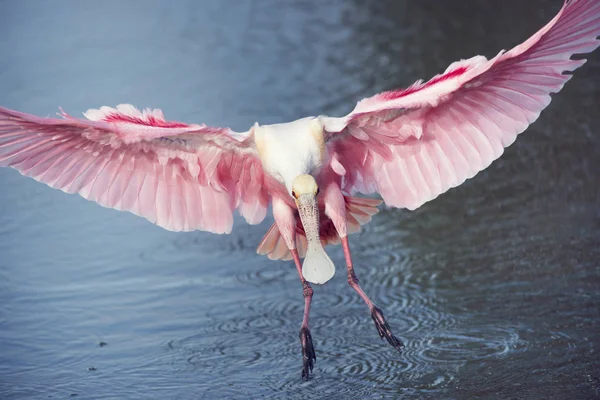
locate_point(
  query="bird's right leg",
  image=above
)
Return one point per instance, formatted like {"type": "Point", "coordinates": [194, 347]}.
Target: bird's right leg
{"type": "Point", "coordinates": [308, 350]}
{"type": "Point", "coordinates": [286, 222]}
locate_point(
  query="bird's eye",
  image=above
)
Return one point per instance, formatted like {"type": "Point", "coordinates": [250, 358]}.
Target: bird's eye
{"type": "Point", "coordinates": [318, 190]}
{"type": "Point", "coordinates": [294, 194]}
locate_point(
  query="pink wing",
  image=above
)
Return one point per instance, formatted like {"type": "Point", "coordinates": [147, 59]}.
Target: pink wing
{"type": "Point", "coordinates": [412, 145]}
{"type": "Point", "coordinates": [181, 177]}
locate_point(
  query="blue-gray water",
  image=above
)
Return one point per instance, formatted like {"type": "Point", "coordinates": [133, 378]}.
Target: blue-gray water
{"type": "Point", "coordinates": [494, 286]}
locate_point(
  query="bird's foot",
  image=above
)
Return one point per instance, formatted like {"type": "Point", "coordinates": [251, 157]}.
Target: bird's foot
{"type": "Point", "coordinates": [308, 352]}
{"type": "Point", "coordinates": [384, 329]}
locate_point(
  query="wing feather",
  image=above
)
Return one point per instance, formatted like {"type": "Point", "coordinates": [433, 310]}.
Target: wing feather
{"type": "Point", "coordinates": [179, 176]}
{"type": "Point", "coordinates": [412, 145]}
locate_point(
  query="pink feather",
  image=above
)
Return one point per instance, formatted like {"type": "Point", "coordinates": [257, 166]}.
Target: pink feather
{"type": "Point", "coordinates": [439, 133]}
{"type": "Point", "coordinates": [358, 212]}
{"type": "Point", "coordinates": [174, 174]}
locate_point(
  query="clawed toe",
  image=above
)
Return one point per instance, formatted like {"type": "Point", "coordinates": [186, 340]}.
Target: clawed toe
{"type": "Point", "coordinates": [308, 353]}
{"type": "Point", "coordinates": [384, 329]}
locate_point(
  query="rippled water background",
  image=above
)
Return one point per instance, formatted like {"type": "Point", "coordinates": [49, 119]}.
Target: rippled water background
{"type": "Point", "coordinates": [494, 287]}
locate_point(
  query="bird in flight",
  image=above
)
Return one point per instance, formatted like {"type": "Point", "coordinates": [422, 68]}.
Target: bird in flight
{"type": "Point", "coordinates": [408, 145]}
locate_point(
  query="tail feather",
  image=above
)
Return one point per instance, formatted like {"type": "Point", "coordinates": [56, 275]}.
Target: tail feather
{"type": "Point", "coordinates": [273, 245]}
{"type": "Point", "coordinates": [359, 211]}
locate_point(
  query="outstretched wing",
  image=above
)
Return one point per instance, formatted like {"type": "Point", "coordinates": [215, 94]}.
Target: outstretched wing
{"type": "Point", "coordinates": [181, 177]}
{"type": "Point", "coordinates": [412, 145]}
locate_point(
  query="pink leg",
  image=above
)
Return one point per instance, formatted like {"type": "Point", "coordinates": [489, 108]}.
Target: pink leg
{"type": "Point", "coordinates": [382, 326]}
{"type": "Point", "coordinates": [308, 350]}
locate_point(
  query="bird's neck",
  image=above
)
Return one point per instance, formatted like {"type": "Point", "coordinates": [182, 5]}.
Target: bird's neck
{"type": "Point", "coordinates": [291, 149]}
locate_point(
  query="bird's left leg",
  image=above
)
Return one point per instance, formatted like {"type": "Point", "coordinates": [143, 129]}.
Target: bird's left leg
{"type": "Point", "coordinates": [286, 222]}
{"type": "Point", "coordinates": [335, 208]}
{"type": "Point", "coordinates": [381, 324]}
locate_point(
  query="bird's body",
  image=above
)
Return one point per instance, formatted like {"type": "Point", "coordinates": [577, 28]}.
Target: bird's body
{"type": "Point", "coordinates": [291, 149]}
{"type": "Point", "coordinates": [407, 145]}
{"type": "Point", "coordinates": [297, 149]}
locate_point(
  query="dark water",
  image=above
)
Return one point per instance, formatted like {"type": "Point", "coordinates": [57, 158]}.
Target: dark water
{"type": "Point", "coordinates": [494, 287]}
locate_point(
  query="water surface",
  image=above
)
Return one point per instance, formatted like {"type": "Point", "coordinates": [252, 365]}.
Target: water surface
{"type": "Point", "coordinates": [494, 287]}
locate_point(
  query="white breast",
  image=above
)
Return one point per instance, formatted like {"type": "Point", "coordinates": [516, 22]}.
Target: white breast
{"type": "Point", "coordinates": [291, 149]}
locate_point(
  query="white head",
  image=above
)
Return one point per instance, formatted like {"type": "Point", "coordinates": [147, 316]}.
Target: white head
{"type": "Point", "coordinates": [304, 184]}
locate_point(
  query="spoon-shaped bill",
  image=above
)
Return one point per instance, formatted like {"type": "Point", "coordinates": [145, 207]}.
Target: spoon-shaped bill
{"type": "Point", "coordinates": [317, 267]}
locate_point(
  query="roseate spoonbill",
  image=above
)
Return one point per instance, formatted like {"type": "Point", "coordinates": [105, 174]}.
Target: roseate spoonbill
{"type": "Point", "coordinates": [407, 145]}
